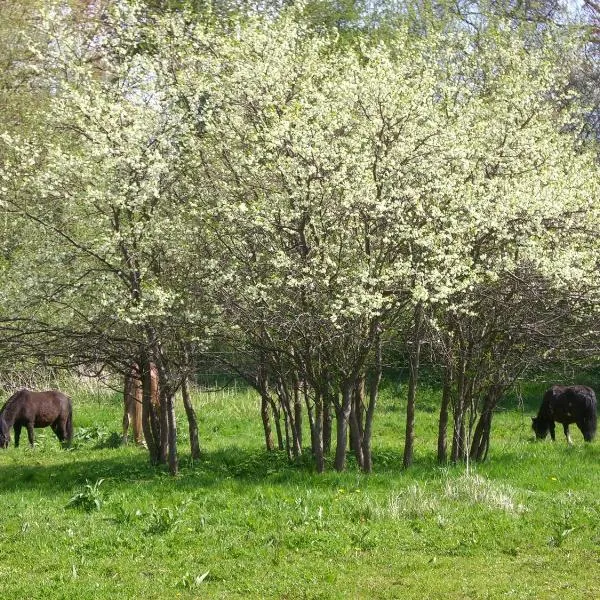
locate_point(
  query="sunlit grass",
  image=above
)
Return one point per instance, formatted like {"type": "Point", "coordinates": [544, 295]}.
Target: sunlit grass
{"type": "Point", "coordinates": [244, 523]}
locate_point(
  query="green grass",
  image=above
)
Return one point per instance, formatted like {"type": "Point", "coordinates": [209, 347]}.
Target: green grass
{"type": "Point", "coordinates": [98, 522]}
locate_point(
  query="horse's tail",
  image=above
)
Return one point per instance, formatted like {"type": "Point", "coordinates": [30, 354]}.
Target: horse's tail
{"type": "Point", "coordinates": [69, 424]}
{"type": "Point", "coordinates": [591, 418]}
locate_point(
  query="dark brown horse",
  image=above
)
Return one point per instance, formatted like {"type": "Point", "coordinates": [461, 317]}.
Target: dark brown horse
{"type": "Point", "coordinates": [567, 404]}
{"type": "Point", "coordinates": [36, 409]}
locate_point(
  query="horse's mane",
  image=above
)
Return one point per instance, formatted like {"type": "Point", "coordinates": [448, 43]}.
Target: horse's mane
{"type": "Point", "coordinates": [13, 398]}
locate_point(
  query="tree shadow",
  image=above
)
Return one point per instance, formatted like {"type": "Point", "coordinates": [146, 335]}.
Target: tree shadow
{"type": "Point", "coordinates": [251, 467]}
{"type": "Point", "coordinates": [67, 474]}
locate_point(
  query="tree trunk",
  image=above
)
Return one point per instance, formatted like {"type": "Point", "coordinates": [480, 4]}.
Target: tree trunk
{"type": "Point", "coordinates": [164, 389]}
{"type": "Point", "coordinates": [409, 438]}
{"type": "Point", "coordinates": [172, 434]}
{"type": "Point", "coordinates": [286, 422]}
{"type": "Point", "coordinates": [442, 447]}
{"type": "Point", "coordinates": [265, 402]}
{"type": "Point", "coordinates": [370, 413]}
{"type": "Point", "coordinates": [133, 406]}
{"type": "Point", "coordinates": [458, 432]}
{"type": "Point", "coordinates": [342, 413]}
{"type": "Point", "coordinates": [266, 421]}
{"type": "Point", "coordinates": [355, 433]}
{"type": "Point", "coordinates": [481, 436]}
{"type": "Point", "coordinates": [359, 403]}
{"type": "Point", "coordinates": [192, 420]}
{"type": "Point", "coordinates": [150, 422]}
{"type": "Point", "coordinates": [356, 418]}
{"type": "Point", "coordinates": [462, 446]}
{"type": "Point", "coordinates": [318, 437]}
{"type": "Point", "coordinates": [458, 417]}
{"type": "Point", "coordinates": [292, 441]}
{"type": "Point", "coordinates": [163, 451]}
{"type": "Point", "coordinates": [327, 423]}
{"type": "Point", "coordinates": [297, 411]}
{"type": "Point", "coordinates": [310, 411]}
{"type": "Point", "coordinates": [277, 418]}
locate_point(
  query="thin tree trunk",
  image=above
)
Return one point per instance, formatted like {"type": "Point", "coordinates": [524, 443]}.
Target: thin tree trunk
{"type": "Point", "coordinates": [133, 406]}
{"type": "Point", "coordinates": [409, 438]}
{"type": "Point", "coordinates": [286, 421]}
{"type": "Point", "coordinates": [468, 426]}
{"type": "Point", "coordinates": [458, 416]}
{"type": "Point", "coordinates": [356, 418]}
{"type": "Point", "coordinates": [160, 375]}
{"type": "Point", "coordinates": [318, 437]}
{"type": "Point", "coordinates": [266, 421]}
{"type": "Point", "coordinates": [370, 413]}
{"type": "Point", "coordinates": [297, 411]}
{"type": "Point", "coordinates": [310, 411]}
{"type": "Point", "coordinates": [458, 432]}
{"type": "Point", "coordinates": [355, 434]}
{"type": "Point", "coordinates": [152, 376]}
{"type": "Point", "coordinates": [192, 420]}
{"type": "Point", "coordinates": [265, 403]}
{"type": "Point", "coordinates": [327, 423]}
{"type": "Point", "coordinates": [292, 441]}
{"type": "Point", "coordinates": [359, 403]}
{"type": "Point", "coordinates": [442, 448]}
{"type": "Point", "coordinates": [342, 416]}
{"type": "Point", "coordinates": [163, 453]}
{"type": "Point", "coordinates": [277, 419]}
{"type": "Point", "coordinates": [172, 434]}
{"type": "Point", "coordinates": [481, 436]}
{"type": "Point", "coordinates": [150, 423]}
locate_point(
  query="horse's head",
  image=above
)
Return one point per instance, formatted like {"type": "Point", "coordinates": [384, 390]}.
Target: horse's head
{"type": "Point", "coordinates": [540, 427]}
{"type": "Point", "coordinates": [4, 433]}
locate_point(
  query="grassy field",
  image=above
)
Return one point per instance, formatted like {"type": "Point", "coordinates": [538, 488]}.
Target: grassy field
{"type": "Point", "coordinates": [98, 522]}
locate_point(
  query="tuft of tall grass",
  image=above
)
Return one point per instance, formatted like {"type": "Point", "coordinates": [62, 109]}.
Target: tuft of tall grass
{"type": "Point", "coordinates": [475, 489]}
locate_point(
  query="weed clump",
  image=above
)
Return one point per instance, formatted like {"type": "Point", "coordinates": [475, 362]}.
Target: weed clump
{"type": "Point", "coordinates": [89, 498]}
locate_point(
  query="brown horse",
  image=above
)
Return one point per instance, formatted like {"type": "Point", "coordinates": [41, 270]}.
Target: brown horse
{"type": "Point", "coordinates": [132, 397]}
{"type": "Point", "coordinates": [36, 409]}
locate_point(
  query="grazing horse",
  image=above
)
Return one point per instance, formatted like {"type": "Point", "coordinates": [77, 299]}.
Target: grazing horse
{"type": "Point", "coordinates": [567, 404]}
{"type": "Point", "coordinates": [132, 396]}
{"type": "Point", "coordinates": [36, 409]}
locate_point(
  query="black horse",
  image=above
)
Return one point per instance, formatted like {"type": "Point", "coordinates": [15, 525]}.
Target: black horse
{"type": "Point", "coordinates": [567, 404]}
{"type": "Point", "coordinates": [36, 409]}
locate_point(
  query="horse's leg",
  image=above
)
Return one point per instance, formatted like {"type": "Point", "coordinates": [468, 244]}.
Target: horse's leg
{"type": "Point", "coordinates": [566, 430]}
{"type": "Point", "coordinates": [59, 429]}
{"type": "Point", "coordinates": [30, 432]}
{"type": "Point", "coordinates": [17, 434]}
{"type": "Point", "coordinates": [552, 434]}
{"type": "Point", "coordinates": [586, 434]}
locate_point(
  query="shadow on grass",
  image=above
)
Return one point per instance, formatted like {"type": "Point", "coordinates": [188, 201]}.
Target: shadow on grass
{"type": "Point", "coordinates": [57, 471]}
{"type": "Point", "coordinates": [65, 474]}
{"type": "Point", "coordinates": [50, 471]}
